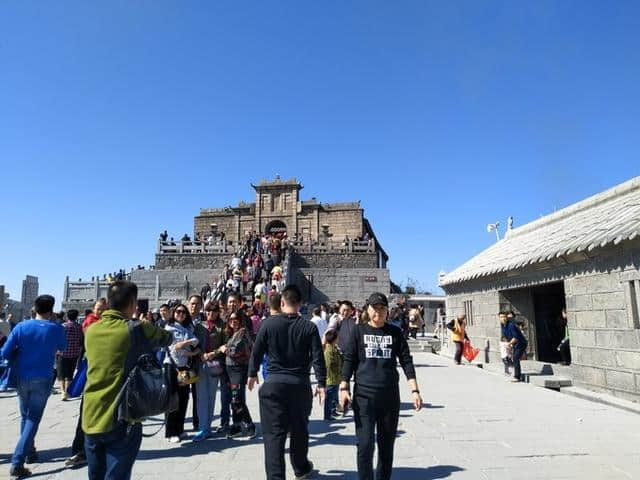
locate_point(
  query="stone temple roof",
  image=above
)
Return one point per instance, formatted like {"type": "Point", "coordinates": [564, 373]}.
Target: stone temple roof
{"type": "Point", "coordinates": [607, 218]}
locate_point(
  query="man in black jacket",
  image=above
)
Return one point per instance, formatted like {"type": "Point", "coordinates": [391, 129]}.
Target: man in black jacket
{"type": "Point", "coordinates": [291, 345]}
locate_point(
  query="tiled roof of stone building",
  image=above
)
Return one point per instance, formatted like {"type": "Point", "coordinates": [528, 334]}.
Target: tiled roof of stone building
{"type": "Point", "coordinates": [610, 217]}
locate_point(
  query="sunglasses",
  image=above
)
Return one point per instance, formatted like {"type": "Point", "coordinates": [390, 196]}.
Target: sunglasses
{"type": "Point", "coordinates": [181, 312]}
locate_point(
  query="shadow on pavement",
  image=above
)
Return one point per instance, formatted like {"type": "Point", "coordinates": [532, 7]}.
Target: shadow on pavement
{"type": "Point", "coordinates": [404, 473]}
{"type": "Point", "coordinates": [409, 406]}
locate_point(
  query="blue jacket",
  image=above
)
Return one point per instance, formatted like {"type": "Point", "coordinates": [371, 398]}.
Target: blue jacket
{"type": "Point", "coordinates": [31, 348]}
{"type": "Point", "coordinates": [511, 330]}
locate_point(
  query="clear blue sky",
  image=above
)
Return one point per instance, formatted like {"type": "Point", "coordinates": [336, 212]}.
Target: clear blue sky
{"type": "Point", "coordinates": [119, 119]}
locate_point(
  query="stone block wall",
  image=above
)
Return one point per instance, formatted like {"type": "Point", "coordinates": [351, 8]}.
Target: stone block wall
{"type": "Point", "coordinates": [226, 223]}
{"type": "Point", "coordinates": [484, 328]}
{"type": "Point", "coordinates": [605, 345]}
{"type": "Point", "coordinates": [334, 260]}
{"type": "Point", "coordinates": [191, 261]}
{"type": "Point", "coordinates": [320, 285]}
{"type": "Point", "coordinates": [342, 222]}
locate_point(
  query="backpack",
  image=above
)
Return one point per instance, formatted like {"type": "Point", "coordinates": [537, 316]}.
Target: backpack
{"type": "Point", "coordinates": [149, 388]}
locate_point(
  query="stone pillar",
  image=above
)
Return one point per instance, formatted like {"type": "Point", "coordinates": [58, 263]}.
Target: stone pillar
{"type": "Point", "coordinates": [96, 288]}
{"type": "Point", "coordinates": [66, 289]}
{"type": "Point", "coordinates": [186, 287]}
{"type": "Point", "coordinates": [237, 215]}
{"type": "Point", "coordinates": [316, 225]}
{"type": "Point", "coordinates": [157, 292]}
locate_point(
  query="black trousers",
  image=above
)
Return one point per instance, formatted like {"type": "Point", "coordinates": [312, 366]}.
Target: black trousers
{"type": "Point", "coordinates": [458, 356]}
{"type": "Point", "coordinates": [376, 414]}
{"type": "Point", "coordinates": [174, 421]}
{"type": "Point", "coordinates": [78, 440]}
{"type": "Point", "coordinates": [285, 409]}
{"type": "Point", "coordinates": [518, 351]}
{"type": "Point", "coordinates": [194, 407]}
{"type": "Point", "coordinates": [238, 376]}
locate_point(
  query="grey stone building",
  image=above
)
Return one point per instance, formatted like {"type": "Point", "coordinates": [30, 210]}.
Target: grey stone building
{"type": "Point", "coordinates": [586, 258]}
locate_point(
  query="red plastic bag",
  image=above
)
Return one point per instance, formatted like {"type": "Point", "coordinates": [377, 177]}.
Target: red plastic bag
{"type": "Point", "coordinates": [469, 352]}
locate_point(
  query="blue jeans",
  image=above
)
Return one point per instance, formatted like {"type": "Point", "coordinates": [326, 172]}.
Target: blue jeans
{"type": "Point", "coordinates": [111, 455]}
{"type": "Point", "coordinates": [207, 388]}
{"type": "Point", "coordinates": [32, 396]}
{"type": "Point", "coordinates": [330, 401]}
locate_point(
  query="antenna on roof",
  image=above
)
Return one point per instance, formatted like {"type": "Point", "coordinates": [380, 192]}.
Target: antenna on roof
{"type": "Point", "coordinates": [493, 227]}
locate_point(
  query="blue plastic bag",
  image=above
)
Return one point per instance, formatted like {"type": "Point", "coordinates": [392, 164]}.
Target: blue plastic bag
{"type": "Point", "coordinates": [76, 387]}
{"type": "Point", "coordinates": [8, 378]}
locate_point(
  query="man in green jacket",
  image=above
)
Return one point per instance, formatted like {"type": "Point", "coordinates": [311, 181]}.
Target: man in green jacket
{"type": "Point", "coordinates": [112, 446]}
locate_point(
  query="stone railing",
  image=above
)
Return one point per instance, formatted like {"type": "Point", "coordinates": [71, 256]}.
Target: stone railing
{"type": "Point", "coordinates": [220, 246]}
{"type": "Point", "coordinates": [335, 246]}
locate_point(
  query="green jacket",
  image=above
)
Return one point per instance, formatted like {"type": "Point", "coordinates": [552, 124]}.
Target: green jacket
{"type": "Point", "coordinates": [333, 362]}
{"type": "Point", "coordinates": [110, 356]}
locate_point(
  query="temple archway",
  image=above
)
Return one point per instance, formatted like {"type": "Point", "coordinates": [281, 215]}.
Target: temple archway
{"type": "Point", "coordinates": [276, 228]}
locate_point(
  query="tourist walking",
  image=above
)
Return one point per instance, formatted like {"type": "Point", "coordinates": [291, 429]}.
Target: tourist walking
{"type": "Point", "coordinates": [238, 351]}
{"type": "Point", "coordinates": [111, 445]}
{"type": "Point", "coordinates": [211, 371]}
{"type": "Point", "coordinates": [517, 342]}
{"type": "Point", "coordinates": [458, 327]}
{"type": "Point", "coordinates": [291, 345]}
{"type": "Point", "coordinates": [78, 456]}
{"type": "Point", "coordinates": [333, 362]}
{"type": "Point", "coordinates": [68, 359]}
{"type": "Point", "coordinates": [347, 322]}
{"type": "Point", "coordinates": [371, 354]}
{"type": "Point", "coordinates": [179, 358]}
{"type": "Point", "coordinates": [416, 322]}
{"type": "Point", "coordinates": [320, 322]}
{"type": "Point", "coordinates": [31, 350]}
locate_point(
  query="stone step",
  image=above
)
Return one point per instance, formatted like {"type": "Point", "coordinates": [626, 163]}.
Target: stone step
{"type": "Point", "coordinates": [554, 382]}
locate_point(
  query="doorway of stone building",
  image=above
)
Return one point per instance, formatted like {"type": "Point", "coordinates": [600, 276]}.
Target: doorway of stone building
{"type": "Point", "coordinates": [548, 302]}
{"type": "Point", "coordinates": [538, 312]}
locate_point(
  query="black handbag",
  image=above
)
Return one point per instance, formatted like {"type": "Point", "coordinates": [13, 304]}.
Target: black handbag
{"type": "Point", "coordinates": [149, 388]}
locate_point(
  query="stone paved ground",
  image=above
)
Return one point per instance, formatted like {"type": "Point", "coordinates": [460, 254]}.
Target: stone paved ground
{"type": "Point", "coordinates": [476, 426]}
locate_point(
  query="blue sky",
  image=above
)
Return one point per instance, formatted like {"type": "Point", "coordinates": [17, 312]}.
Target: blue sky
{"type": "Point", "coordinates": [119, 119]}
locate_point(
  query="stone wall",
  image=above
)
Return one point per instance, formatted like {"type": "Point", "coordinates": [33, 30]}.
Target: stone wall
{"type": "Point", "coordinates": [335, 260]}
{"type": "Point", "coordinates": [605, 346]}
{"type": "Point", "coordinates": [599, 293]}
{"type": "Point", "coordinates": [226, 223]}
{"type": "Point", "coordinates": [342, 222]}
{"type": "Point", "coordinates": [321, 285]}
{"type": "Point", "coordinates": [158, 286]}
{"type": "Point", "coordinates": [191, 261]}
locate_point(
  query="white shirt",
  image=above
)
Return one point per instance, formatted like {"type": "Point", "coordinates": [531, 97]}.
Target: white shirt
{"type": "Point", "coordinates": [321, 324]}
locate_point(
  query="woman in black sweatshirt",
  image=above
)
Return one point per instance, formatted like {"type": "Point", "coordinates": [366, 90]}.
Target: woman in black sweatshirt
{"type": "Point", "coordinates": [371, 354]}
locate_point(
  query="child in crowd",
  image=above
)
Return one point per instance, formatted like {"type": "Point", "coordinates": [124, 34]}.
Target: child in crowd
{"type": "Point", "coordinates": [505, 355]}
{"type": "Point", "coordinates": [333, 362]}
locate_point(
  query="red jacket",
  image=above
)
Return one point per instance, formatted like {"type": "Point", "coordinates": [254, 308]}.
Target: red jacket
{"type": "Point", "coordinates": [90, 320]}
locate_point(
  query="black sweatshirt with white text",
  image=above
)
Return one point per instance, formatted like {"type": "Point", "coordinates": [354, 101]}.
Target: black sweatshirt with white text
{"type": "Point", "coordinates": [372, 354]}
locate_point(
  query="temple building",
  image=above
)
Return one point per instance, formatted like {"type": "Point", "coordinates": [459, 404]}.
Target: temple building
{"type": "Point", "coordinates": [278, 210]}
{"type": "Point", "coordinates": [334, 252]}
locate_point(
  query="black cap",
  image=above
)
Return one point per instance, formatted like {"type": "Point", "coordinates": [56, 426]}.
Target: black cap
{"type": "Point", "coordinates": [378, 298]}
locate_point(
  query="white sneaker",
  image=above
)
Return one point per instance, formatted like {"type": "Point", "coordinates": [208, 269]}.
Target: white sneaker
{"type": "Point", "coordinates": [173, 439]}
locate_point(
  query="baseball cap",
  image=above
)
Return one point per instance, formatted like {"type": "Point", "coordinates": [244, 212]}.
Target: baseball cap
{"type": "Point", "coordinates": [378, 298]}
